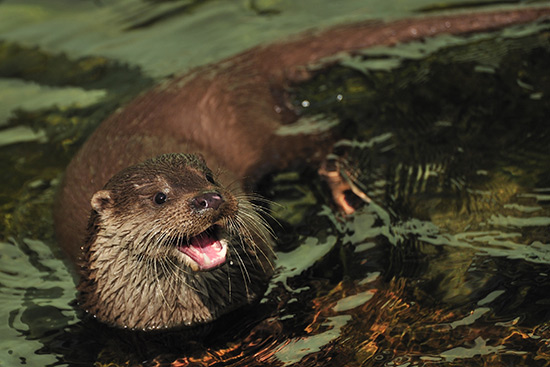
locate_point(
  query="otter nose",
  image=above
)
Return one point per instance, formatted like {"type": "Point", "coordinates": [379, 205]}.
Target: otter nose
{"type": "Point", "coordinates": [207, 200]}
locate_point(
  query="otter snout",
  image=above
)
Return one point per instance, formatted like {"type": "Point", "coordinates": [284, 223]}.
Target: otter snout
{"type": "Point", "coordinates": [208, 200]}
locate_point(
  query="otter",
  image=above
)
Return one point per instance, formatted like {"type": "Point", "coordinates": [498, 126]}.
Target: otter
{"type": "Point", "coordinates": [169, 245]}
{"type": "Point", "coordinates": [140, 257]}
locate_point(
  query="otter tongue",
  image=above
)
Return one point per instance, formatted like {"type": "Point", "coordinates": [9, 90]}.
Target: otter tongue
{"type": "Point", "coordinates": [206, 251]}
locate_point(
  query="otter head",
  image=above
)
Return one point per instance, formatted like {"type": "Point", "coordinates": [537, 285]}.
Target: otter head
{"type": "Point", "coordinates": [168, 246]}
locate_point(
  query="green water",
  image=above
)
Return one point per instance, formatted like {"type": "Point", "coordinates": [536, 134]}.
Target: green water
{"type": "Point", "coordinates": [448, 265]}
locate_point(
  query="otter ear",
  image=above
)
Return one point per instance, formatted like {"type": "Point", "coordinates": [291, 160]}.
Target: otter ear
{"type": "Point", "coordinates": [101, 201]}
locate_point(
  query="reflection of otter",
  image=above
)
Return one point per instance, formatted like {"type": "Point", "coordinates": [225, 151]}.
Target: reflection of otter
{"type": "Point", "coordinates": [231, 113]}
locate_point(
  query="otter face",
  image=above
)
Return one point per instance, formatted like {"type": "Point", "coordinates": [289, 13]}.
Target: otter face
{"type": "Point", "coordinates": [176, 207]}
{"type": "Point", "coordinates": [168, 246]}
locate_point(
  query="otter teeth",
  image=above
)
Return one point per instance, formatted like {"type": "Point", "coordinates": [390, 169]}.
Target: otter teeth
{"type": "Point", "coordinates": [206, 250]}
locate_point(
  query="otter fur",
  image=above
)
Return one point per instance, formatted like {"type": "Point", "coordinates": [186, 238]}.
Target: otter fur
{"type": "Point", "coordinates": [133, 272]}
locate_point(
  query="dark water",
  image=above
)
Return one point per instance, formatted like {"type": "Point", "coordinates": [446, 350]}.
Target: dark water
{"type": "Point", "coordinates": [448, 265]}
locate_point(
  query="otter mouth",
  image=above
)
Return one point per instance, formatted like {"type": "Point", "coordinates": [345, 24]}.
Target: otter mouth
{"type": "Point", "coordinates": [206, 249]}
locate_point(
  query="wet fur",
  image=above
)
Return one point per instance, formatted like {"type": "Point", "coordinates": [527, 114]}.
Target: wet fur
{"type": "Point", "coordinates": [133, 275]}
{"type": "Point", "coordinates": [231, 112]}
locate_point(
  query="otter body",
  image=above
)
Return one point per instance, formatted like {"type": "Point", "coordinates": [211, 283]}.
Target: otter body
{"type": "Point", "coordinates": [141, 262]}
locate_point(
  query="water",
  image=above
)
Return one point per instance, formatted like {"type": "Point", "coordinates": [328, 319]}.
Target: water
{"type": "Point", "coordinates": [448, 264]}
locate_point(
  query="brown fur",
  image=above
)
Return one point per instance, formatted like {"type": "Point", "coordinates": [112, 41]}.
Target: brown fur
{"type": "Point", "coordinates": [133, 274]}
{"type": "Point", "coordinates": [231, 112]}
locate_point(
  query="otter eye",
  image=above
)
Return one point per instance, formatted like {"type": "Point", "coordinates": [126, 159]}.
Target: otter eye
{"type": "Point", "coordinates": [210, 178]}
{"type": "Point", "coordinates": [160, 198]}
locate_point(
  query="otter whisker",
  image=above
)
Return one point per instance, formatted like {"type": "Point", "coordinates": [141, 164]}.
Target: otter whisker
{"type": "Point", "coordinates": [246, 237]}
{"type": "Point", "coordinates": [244, 272]}
{"type": "Point", "coordinates": [234, 186]}
{"type": "Point", "coordinates": [159, 267]}
{"type": "Point", "coordinates": [254, 214]}
{"type": "Point", "coordinates": [259, 228]}
{"type": "Point", "coordinates": [161, 291]}
{"type": "Point", "coordinates": [176, 271]}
